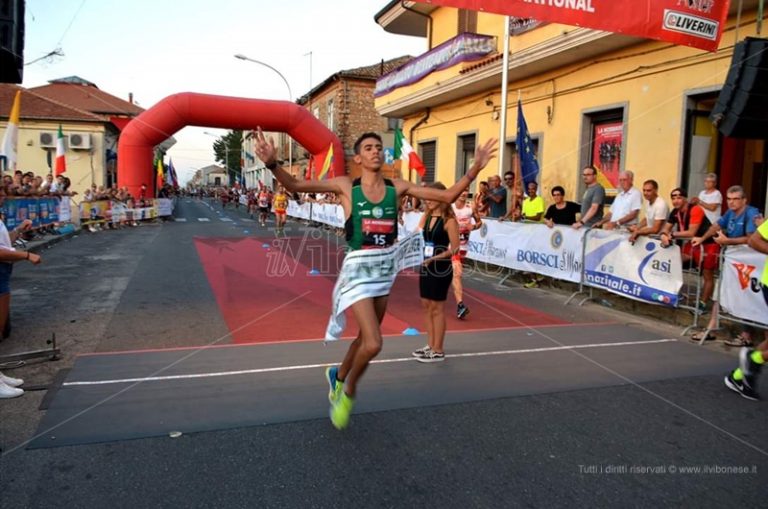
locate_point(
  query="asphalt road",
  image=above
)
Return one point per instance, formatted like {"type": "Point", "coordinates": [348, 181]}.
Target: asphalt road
{"type": "Point", "coordinates": [527, 416]}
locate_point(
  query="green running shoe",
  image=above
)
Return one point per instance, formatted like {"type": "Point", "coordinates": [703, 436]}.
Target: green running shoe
{"type": "Point", "coordinates": [341, 410]}
{"type": "Point", "coordinates": [335, 387]}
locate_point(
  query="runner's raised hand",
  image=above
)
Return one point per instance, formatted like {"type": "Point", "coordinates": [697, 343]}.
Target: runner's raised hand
{"type": "Point", "coordinates": [265, 148]}
{"type": "Point", "coordinates": [483, 156]}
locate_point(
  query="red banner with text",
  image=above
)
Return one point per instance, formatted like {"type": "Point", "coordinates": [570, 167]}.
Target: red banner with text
{"type": "Point", "coordinates": [696, 23]}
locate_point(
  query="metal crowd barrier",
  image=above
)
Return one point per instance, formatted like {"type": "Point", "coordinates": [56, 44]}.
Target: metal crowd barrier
{"type": "Point", "coordinates": [42, 211]}
{"type": "Point", "coordinates": [692, 283]}
{"type": "Point", "coordinates": [688, 296]}
{"type": "Point", "coordinates": [719, 312]}
{"type": "Point", "coordinates": [110, 211]}
{"type": "Point", "coordinates": [582, 276]}
{"type": "Point", "coordinates": [690, 292]}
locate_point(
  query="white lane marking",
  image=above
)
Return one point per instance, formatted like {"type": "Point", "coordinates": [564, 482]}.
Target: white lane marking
{"type": "Point", "coordinates": [225, 219]}
{"type": "Point", "coordinates": [181, 219]}
{"type": "Point", "coordinates": [382, 361]}
{"type": "Point", "coordinates": [203, 219]}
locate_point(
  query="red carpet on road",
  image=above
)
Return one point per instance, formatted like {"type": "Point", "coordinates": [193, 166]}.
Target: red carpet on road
{"type": "Point", "coordinates": [269, 294]}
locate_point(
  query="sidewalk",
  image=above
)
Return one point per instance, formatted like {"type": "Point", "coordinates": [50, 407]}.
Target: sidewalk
{"type": "Point", "coordinates": [39, 244]}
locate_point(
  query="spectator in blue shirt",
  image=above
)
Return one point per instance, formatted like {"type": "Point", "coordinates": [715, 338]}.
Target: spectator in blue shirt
{"type": "Point", "coordinates": [736, 225]}
{"type": "Point", "coordinates": [497, 198]}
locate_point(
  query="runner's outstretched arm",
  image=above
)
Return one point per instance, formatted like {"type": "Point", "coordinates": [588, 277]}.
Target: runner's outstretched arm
{"type": "Point", "coordinates": [483, 156]}
{"type": "Point", "coordinates": [265, 149]}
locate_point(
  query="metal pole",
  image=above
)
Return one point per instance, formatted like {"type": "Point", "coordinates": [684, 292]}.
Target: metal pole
{"type": "Point", "coordinates": [504, 89]}
{"type": "Point", "coordinates": [290, 96]}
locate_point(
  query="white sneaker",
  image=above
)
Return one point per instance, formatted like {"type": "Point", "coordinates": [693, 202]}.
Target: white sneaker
{"type": "Point", "coordinates": [8, 380]}
{"type": "Point", "coordinates": [7, 392]}
{"type": "Point", "coordinates": [432, 356]}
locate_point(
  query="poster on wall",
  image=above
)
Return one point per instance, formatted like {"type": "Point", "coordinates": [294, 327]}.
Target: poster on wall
{"type": "Point", "coordinates": [606, 153]}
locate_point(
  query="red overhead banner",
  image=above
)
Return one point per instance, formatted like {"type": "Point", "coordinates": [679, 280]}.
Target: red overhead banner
{"type": "Point", "coordinates": [696, 23]}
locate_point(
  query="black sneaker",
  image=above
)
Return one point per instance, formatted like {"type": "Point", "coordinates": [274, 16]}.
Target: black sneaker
{"type": "Point", "coordinates": [462, 311]}
{"type": "Point", "coordinates": [743, 387]}
{"type": "Point", "coordinates": [431, 356]}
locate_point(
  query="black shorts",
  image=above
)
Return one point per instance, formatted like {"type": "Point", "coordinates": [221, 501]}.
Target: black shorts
{"type": "Point", "coordinates": [264, 210]}
{"type": "Point", "coordinates": [5, 277]}
{"type": "Point", "coordinates": [435, 280]}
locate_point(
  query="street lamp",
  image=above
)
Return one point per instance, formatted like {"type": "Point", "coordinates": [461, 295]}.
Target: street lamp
{"type": "Point", "coordinates": [290, 97]}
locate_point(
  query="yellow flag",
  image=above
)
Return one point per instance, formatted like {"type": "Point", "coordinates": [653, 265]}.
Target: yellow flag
{"type": "Point", "coordinates": [327, 164]}
{"type": "Point", "coordinates": [11, 137]}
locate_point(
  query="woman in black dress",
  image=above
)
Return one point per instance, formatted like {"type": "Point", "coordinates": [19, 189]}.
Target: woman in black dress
{"type": "Point", "coordinates": [441, 239]}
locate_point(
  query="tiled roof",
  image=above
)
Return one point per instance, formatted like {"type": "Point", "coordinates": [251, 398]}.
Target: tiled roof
{"type": "Point", "coordinates": [86, 96]}
{"type": "Point", "coordinates": [376, 70]}
{"type": "Point", "coordinates": [37, 107]}
{"type": "Point", "coordinates": [368, 72]}
{"type": "Point", "coordinates": [482, 63]}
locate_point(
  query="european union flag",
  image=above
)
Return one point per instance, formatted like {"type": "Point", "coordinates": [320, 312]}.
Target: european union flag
{"type": "Point", "coordinates": [529, 166]}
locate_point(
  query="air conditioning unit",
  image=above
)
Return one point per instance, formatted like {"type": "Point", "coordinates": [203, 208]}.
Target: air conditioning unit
{"type": "Point", "coordinates": [48, 139]}
{"type": "Point", "coordinates": [80, 141]}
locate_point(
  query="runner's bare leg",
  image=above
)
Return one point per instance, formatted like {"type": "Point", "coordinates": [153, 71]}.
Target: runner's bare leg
{"type": "Point", "coordinates": [369, 313]}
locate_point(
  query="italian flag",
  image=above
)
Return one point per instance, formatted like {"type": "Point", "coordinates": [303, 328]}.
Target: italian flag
{"type": "Point", "coordinates": [61, 162]}
{"type": "Point", "coordinates": [404, 151]}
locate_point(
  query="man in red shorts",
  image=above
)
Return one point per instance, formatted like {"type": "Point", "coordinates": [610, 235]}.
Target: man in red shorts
{"type": "Point", "coordinates": [690, 221]}
{"type": "Point", "coordinates": [468, 220]}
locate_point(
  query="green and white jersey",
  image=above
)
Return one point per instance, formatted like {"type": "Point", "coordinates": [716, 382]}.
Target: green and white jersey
{"type": "Point", "coordinates": [372, 225]}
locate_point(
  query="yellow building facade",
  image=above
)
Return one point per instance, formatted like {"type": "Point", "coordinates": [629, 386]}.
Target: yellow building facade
{"type": "Point", "coordinates": [86, 164]}
{"type": "Point", "coordinates": [589, 97]}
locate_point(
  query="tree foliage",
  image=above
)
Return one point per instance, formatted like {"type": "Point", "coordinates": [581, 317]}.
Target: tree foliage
{"type": "Point", "coordinates": [227, 150]}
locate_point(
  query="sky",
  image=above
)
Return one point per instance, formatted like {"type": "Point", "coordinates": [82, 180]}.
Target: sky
{"type": "Point", "coordinates": [161, 47]}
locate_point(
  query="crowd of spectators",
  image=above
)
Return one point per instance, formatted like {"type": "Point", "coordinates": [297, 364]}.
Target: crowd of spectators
{"type": "Point", "coordinates": [28, 184]}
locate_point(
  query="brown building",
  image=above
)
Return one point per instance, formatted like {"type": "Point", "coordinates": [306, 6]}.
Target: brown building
{"type": "Point", "coordinates": [345, 103]}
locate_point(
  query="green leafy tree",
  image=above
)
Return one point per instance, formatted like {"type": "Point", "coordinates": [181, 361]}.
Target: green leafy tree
{"type": "Point", "coordinates": [227, 150]}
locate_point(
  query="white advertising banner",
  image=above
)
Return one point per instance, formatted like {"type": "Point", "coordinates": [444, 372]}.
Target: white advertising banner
{"type": "Point", "coordinates": [328, 213]}
{"type": "Point", "coordinates": [299, 210]}
{"type": "Point", "coordinates": [65, 212]}
{"type": "Point", "coordinates": [554, 252]}
{"type": "Point", "coordinates": [368, 273]}
{"type": "Point", "coordinates": [642, 271]}
{"type": "Point", "coordinates": [741, 293]}
{"type": "Point", "coordinates": [164, 206]}
{"type": "Point", "coordinates": [410, 224]}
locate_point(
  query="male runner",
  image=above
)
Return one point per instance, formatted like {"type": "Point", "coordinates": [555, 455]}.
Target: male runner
{"type": "Point", "coordinates": [370, 205]}
{"type": "Point", "coordinates": [262, 201]}
{"type": "Point", "coordinates": [465, 213]}
{"type": "Point", "coordinates": [280, 206]}
{"type": "Point", "coordinates": [744, 379]}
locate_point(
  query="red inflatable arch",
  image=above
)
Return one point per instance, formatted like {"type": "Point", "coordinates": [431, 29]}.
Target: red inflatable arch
{"type": "Point", "coordinates": [143, 133]}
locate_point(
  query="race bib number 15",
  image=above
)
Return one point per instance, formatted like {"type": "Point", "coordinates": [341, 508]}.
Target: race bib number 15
{"type": "Point", "coordinates": [378, 232]}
